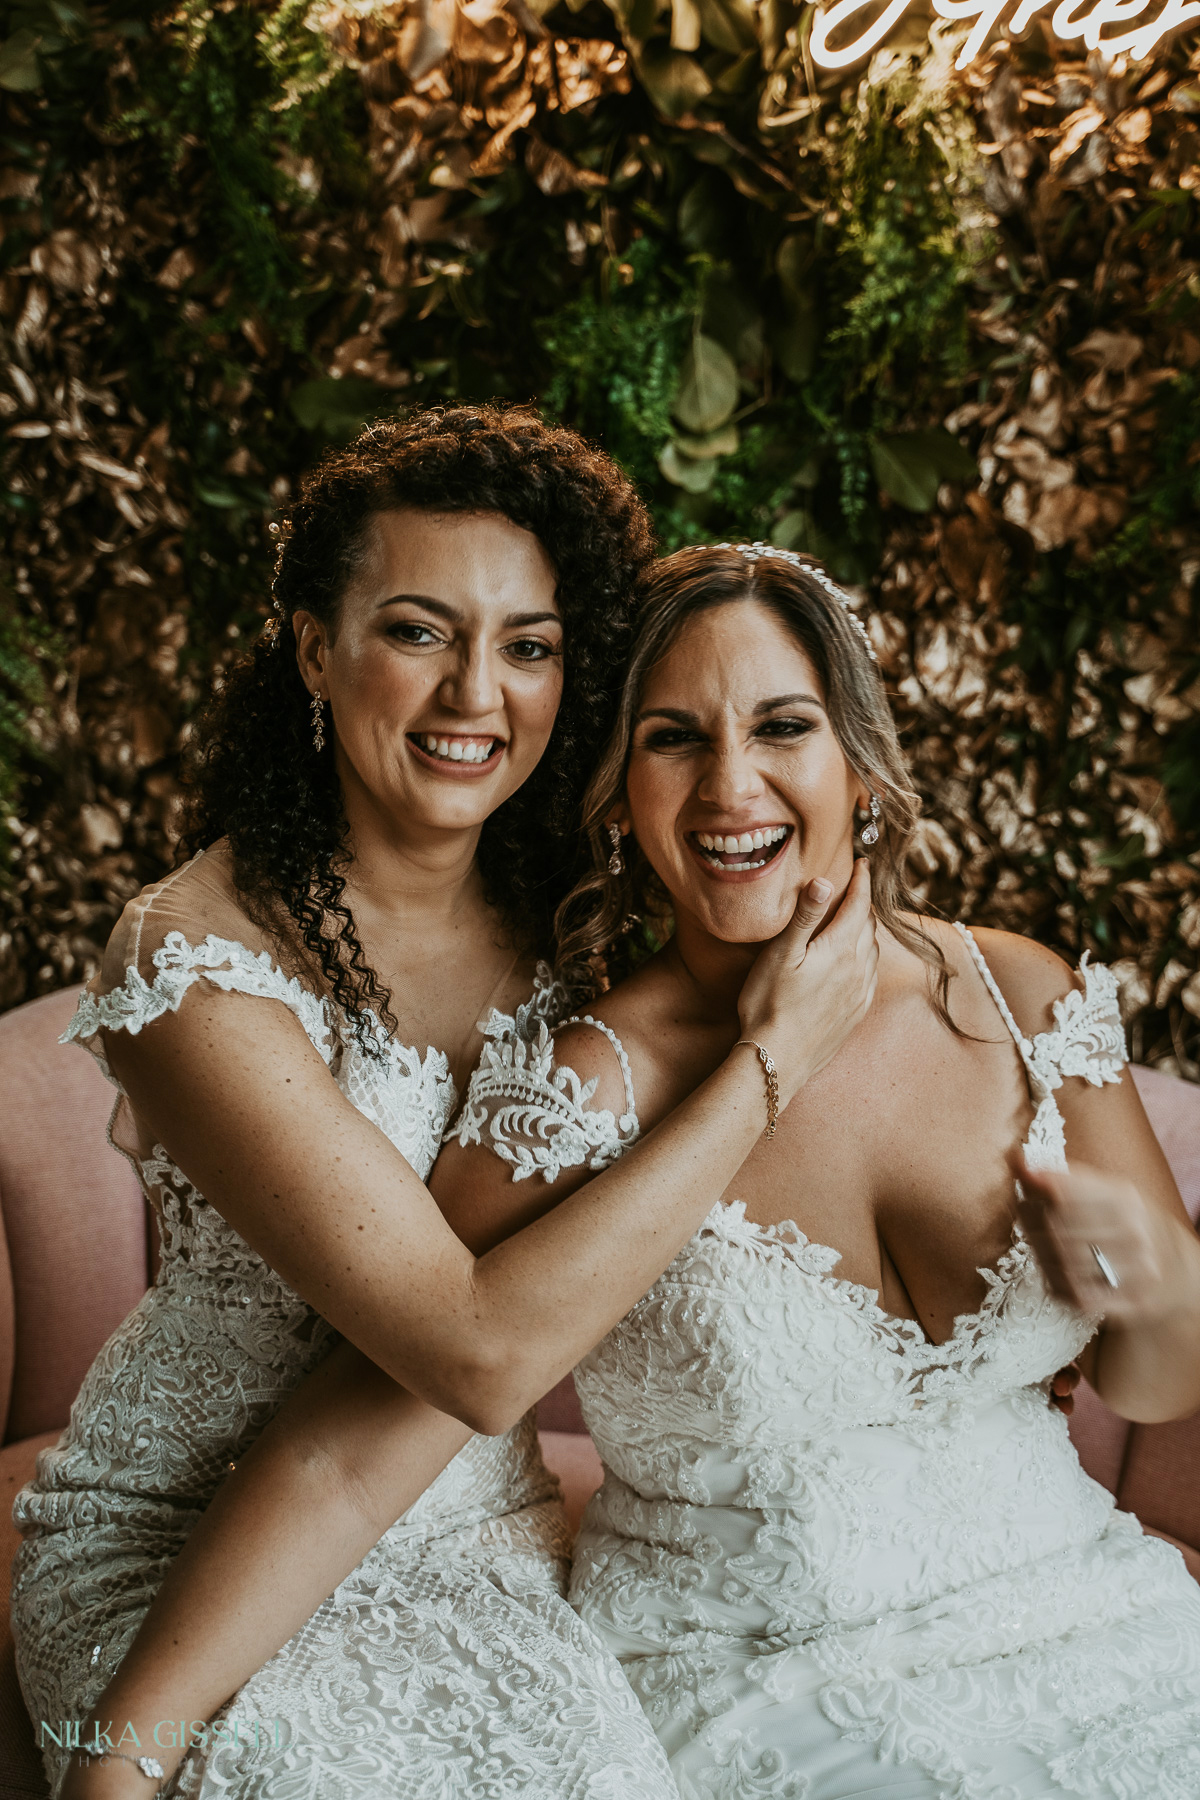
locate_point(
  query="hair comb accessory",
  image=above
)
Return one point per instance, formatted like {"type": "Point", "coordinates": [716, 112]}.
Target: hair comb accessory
{"type": "Point", "coordinates": [756, 552]}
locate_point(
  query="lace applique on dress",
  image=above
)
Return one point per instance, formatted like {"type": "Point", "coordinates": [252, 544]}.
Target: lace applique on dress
{"type": "Point", "coordinates": [538, 1113]}
{"type": "Point", "coordinates": [452, 1639]}
{"type": "Point", "coordinates": [227, 964]}
{"type": "Point", "coordinates": [1088, 1040]}
{"type": "Point", "coordinates": [836, 1557]}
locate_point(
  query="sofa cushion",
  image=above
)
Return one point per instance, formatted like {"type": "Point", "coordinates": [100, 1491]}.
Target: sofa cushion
{"type": "Point", "coordinates": [1173, 1109]}
{"type": "Point", "coordinates": [75, 1220]}
{"type": "Point", "coordinates": [1160, 1481]}
{"type": "Point", "coordinates": [559, 1410]}
{"type": "Point", "coordinates": [20, 1764]}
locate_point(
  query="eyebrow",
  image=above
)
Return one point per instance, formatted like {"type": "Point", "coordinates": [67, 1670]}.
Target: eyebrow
{"type": "Point", "coordinates": [445, 611]}
{"type": "Point", "coordinates": [763, 707]}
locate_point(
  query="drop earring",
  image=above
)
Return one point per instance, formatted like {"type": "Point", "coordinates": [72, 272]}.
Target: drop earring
{"type": "Point", "coordinates": [870, 832]}
{"type": "Point", "coordinates": [616, 862]}
{"type": "Point", "coordinates": [318, 725]}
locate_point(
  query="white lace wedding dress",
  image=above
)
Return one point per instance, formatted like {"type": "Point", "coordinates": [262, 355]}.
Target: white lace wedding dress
{"type": "Point", "coordinates": [448, 1666]}
{"type": "Point", "coordinates": [837, 1560]}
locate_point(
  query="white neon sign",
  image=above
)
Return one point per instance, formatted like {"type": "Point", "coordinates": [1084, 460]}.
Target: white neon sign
{"type": "Point", "coordinates": [1086, 19]}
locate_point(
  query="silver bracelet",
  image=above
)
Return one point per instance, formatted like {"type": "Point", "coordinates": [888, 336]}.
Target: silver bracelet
{"type": "Point", "coordinates": [150, 1766]}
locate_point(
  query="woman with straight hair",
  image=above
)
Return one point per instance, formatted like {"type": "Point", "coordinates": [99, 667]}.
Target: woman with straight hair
{"type": "Point", "coordinates": [385, 807]}
{"type": "Point", "coordinates": [844, 1546]}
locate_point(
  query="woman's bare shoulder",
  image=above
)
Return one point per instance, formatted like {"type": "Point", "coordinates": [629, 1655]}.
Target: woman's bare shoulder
{"type": "Point", "coordinates": [1029, 975]}
{"type": "Point", "coordinates": [182, 911]}
{"type": "Point", "coordinates": [635, 1009]}
{"type": "Point", "coordinates": [635, 1012]}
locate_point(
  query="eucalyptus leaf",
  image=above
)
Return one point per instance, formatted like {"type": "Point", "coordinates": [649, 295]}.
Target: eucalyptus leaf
{"type": "Point", "coordinates": [731, 316]}
{"type": "Point", "coordinates": [903, 472]}
{"type": "Point", "coordinates": [794, 262]}
{"type": "Point", "coordinates": [19, 71]}
{"type": "Point", "coordinates": [674, 80]}
{"type": "Point", "coordinates": [214, 495]}
{"type": "Point", "coordinates": [718, 443]}
{"type": "Point", "coordinates": [685, 25]}
{"type": "Point", "coordinates": [695, 477]}
{"type": "Point", "coordinates": [945, 454]}
{"type": "Point", "coordinates": [740, 75]}
{"type": "Point", "coordinates": [637, 17]}
{"type": "Point", "coordinates": [703, 214]}
{"type": "Point", "coordinates": [728, 25]}
{"type": "Point", "coordinates": [911, 465]}
{"type": "Point", "coordinates": [798, 530]}
{"type": "Point", "coordinates": [794, 339]}
{"type": "Point", "coordinates": [337, 408]}
{"type": "Point", "coordinates": [708, 387]}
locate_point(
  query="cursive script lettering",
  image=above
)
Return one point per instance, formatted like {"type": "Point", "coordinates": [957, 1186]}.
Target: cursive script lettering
{"type": "Point", "coordinates": [1086, 19]}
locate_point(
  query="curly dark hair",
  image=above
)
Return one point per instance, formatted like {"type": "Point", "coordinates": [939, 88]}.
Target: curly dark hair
{"type": "Point", "coordinates": [254, 776]}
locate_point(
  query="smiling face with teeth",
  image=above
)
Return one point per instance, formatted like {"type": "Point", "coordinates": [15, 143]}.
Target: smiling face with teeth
{"type": "Point", "coordinates": [443, 676]}
{"type": "Point", "coordinates": [737, 788]}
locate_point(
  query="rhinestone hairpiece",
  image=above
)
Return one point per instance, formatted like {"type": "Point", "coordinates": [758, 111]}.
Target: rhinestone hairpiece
{"type": "Point", "coordinates": [755, 553]}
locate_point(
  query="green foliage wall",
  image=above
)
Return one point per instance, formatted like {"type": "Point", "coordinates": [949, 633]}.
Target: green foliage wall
{"type": "Point", "coordinates": [939, 329]}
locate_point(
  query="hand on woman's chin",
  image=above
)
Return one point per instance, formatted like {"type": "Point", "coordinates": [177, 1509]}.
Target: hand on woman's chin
{"type": "Point", "coordinates": [753, 918]}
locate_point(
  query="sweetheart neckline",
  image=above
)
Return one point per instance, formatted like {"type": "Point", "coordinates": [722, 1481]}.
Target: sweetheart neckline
{"type": "Point", "coordinates": [1000, 1277]}
{"type": "Point", "coordinates": [910, 1335]}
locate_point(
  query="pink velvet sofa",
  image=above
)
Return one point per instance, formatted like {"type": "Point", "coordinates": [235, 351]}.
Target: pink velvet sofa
{"type": "Point", "coordinates": [76, 1254]}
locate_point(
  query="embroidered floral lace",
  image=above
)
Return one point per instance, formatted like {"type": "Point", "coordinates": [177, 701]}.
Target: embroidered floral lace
{"type": "Point", "coordinates": [836, 1558]}
{"type": "Point", "coordinates": [448, 1666]}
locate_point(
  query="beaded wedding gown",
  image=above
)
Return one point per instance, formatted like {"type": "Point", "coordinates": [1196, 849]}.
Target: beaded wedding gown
{"type": "Point", "coordinates": [835, 1559]}
{"type": "Point", "coordinates": [448, 1666]}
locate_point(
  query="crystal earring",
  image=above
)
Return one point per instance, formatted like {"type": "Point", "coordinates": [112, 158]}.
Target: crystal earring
{"type": "Point", "coordinates": [318, 710]}
{"type": "Point", "coordinates": [615, 862]}
{"type": "Point", "coordinates": [870, 832]}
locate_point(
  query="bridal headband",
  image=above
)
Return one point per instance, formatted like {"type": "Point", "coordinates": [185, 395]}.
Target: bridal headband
{"type": "Point", "coordinates": [756, 552]}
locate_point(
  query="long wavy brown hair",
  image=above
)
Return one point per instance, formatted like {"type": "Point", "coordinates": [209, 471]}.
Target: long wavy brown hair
{"type": "Point", "coordinates": [596, 945]}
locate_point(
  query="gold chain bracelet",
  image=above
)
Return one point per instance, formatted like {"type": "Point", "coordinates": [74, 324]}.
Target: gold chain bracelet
{"type": "Point", "coordinates": [772, 1080]}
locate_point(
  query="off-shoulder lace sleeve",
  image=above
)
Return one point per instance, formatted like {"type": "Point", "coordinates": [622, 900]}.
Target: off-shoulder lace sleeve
{"type": "Point", "coordinates": [188, 927]}
{"type": "Point", "coordinates": [178, 965]}
{"type": "Point", "coordinates": [1088, 1038]}
{"type": "Point", "coordinates": [533, 1111]}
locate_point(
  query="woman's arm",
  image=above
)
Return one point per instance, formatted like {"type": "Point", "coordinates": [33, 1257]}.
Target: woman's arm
{"type": "Point", "coordinates": [343, 1458]}
{"type": "Point", "coordinates": [346, 1455]}
{"type": "Point", "coordinates": [1120, 1196]}
{"type": "Point", "coordinates": [246, 1108]}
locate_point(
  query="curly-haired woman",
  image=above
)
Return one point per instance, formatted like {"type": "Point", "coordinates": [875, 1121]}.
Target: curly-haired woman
{"type": "Point", "coordinates": [844, 1548]}
{"type": "Point", "coordinates": [385, 822]}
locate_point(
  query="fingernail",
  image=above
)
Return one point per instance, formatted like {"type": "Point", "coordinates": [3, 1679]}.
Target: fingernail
{"type": "Point", "coordinates": [821, 891]}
